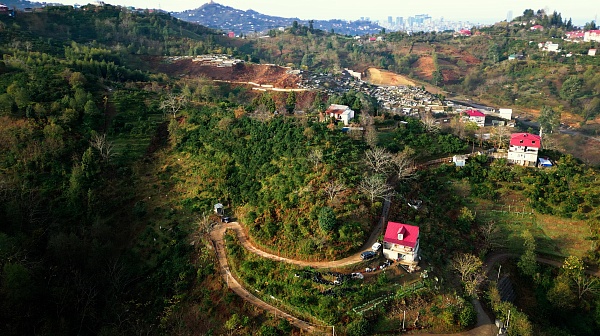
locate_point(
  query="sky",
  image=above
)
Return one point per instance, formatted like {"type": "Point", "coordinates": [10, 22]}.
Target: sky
{"type": "Point", "coordinates": [475, 11]}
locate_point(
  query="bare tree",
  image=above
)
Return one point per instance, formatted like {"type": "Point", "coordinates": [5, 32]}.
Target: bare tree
{"type": "Point", "coordinates": [104, 147]}
{"type": "Point", "coordinates": [374, 186]}
{"type": "Point", "coordinates": [470, 269]}
{"type": "Point", "coordinates": [378, 159]}
{"type": "Point", "coordinates": [332, 188]}
{"type": "Point", "coordinates": [586, 284]}
{"type": "Point", "coordinates": [404, 164]}
{"type": "Point", "coordinates": [315, 157]}
{"type": "Point", "coordinates": [490, 235]}
{"type": "Point", "coordinates": [500, 136]}
{"type": "Point", "coordinates": [28, 45]}
{"type": "Point", "coordinates": [429, 122]}
{"type": "Point", "coordinates": [173, 103]}
{"type": "Point", "coordinates": [371, 137]}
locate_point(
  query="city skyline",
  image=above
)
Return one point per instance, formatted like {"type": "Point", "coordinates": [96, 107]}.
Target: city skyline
{"type": "Point", "coordinates": [467, 10]}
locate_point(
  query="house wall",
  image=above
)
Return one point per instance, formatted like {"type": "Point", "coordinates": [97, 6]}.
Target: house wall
{"type": "Point", "coordinates": [521, 157]}
{"type": "Point", "coordinates": [397, 252]}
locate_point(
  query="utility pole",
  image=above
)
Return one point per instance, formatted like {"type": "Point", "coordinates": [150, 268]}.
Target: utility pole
{"type": "Point", "coordinates": [499, 268]}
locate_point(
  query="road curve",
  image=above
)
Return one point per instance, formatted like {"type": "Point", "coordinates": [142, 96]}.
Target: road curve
{"type": "Point", "coordinates": [217, 239]}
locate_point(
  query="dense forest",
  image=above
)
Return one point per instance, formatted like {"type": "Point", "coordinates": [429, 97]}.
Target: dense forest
{"type": "Point", "coordinates": [109, 170]}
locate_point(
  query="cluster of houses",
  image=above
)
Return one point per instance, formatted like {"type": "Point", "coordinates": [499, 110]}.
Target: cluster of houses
{"type": "Point", "coordinates": [216, 60]}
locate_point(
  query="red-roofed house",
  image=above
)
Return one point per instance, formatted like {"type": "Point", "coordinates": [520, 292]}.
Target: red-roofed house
{"type": "Point", "coordinates": [574, 35]}
{"type": "Point", "coordinates": [464, 32]}
{"type": "Point", "coordinates": [592, 35]}
{"type": "Point", "coordinates": [524, 148]}
{"type": "Point", "coordinates": [537, 27]}
{"type": "Point", "coordinates": [340, 112]}
{"type": "Point", "coordinates": [475, 116]}
{"type": "Point", "coordinates": [401, 242]}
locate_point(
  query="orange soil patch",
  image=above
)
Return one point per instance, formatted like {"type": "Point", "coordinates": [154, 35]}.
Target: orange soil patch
{"type": "Point", "coordinates": [424, 67]}
{"type": "Point", "coordinates": [384, 77]}
{"type": "Point", "coordinates": [257, 73]}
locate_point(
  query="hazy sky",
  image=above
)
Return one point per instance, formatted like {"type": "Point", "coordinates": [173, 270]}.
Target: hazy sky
{"type": "Point", "coordinates": [472, 10]}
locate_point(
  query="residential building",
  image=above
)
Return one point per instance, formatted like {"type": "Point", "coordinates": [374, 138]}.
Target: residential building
{"type": "Point", "coordinates": [401, 243]}
{"type": "Point", "coordinates": [475, 116]}
{"type": "Point", "coordinates": [505, 113]}
{"type": "Point", "coordinates": [592, 35]}
{"type": "Point", "coordinates": [459, 160]}
{"type": "Point", "coordinates": [340, 112]}
{"type": "Point", "coordinates": [592, 52]}
{"type": "Point", "coordinates": [524, 148]}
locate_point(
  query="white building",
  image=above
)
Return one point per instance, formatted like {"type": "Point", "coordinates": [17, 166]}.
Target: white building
{"type": "Point", "coordinates": [524, 148]}
{"type": "Point", "coordinates": [340, 112]}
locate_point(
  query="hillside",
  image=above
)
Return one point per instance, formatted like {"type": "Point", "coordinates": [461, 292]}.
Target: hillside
{"type": "Point", "coordinates": [116, 145]}
{"type": "Point", "coordinates": [228, 19]}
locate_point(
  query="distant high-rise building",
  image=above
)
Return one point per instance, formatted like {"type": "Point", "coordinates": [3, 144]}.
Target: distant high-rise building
{"type": "Point", "coordinates": [390, 21]}
{"type": "Point", "coordinates": [509, 16]}
{"type": "Point", "coordinates": [399, 21]}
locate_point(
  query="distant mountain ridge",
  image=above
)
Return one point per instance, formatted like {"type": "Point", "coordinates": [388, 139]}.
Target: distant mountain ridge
{"type": "Point", "coordinates": [227, 18]}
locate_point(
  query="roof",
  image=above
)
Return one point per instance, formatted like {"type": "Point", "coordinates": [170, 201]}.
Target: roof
{"type": "Point", "coordinates": [411, 234]}
{"type": "Point", "coordinates": [337, 109]}
{"type": "Point", "coordinates": [525, 139]}
{"type": "Point", "coordinates": [474, 113]}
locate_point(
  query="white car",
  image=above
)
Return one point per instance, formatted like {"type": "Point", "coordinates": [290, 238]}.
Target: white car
{"type": "Point", "coordinates": [376, 246]}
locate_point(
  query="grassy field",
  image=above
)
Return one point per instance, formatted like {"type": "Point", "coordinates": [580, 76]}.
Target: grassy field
{"type": "Point", "coordinates": [555, 236]}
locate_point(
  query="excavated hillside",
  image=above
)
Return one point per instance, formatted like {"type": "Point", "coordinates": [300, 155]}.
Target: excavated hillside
{"type": "Point", "coordinates": [241, 72]}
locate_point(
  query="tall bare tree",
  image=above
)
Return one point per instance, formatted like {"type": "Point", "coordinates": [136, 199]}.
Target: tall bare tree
{"type": "Point", "coordinates": [378, 159]}
{"type": "Point", "coordinates": [429, 122]}
{"type": "Point", "coordinates": [471, 272]}
{"type": "Point", "coordinates": [374, 186]}
{"type": "Point", "coordinates": [315, 157]}
{"type": "Point", "coordinates": [403, 164]}
{"type": "Point", "coordinates": [173, 103]}
{"type": "Point", "coordinates": [332, 188]}
{"type": "Point", "coordinates": [104, 147]}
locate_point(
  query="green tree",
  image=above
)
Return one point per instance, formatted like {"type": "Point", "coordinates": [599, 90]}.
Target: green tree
{"type": "Point", "coordinates": [290, 102]}
{"type": "Point", "coordinates": [527, 263]}
{"type": "Point", "coordinates": [327, 219]}
{"type": "Point", "coordinates": [572, 89]}
{"type": "Point", "coordinates": [549, 119]}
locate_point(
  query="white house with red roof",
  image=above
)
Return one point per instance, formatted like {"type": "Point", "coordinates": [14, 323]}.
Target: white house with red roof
{"type": "Point", "coordinates": [576, 35]}
{"type": "Point", "coordinates": [524, 148]}
{"type": "Point", "coordinates": [401, 243]}
{"type": "Point", "coordinates": [475, 116]}
{"type": "Point", "coordinates": [592, 35]}
{"type": "Point", "coordinates": [340, 112]}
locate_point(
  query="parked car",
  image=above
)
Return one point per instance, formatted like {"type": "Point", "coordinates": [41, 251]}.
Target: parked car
{"type": "Point", "coordinates": [225, 219]}
{"type": "Point", "coordinates": [367, 255]}
{"type": "Point", "coordinates": [376, 246]}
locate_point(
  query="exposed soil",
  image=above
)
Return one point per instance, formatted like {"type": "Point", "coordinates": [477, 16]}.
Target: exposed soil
{"type": "Point", "coordinates": [383, 77]}
{"type": "Point", "coordinates": [424, 67]}
{"type": "Point", "coordinates": [257, 73]}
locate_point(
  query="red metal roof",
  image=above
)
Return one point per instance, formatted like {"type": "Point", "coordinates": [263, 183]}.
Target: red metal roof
{"type": "Point", "coordinates": [410, 232]}
{"type": "Point", "coordinates": [525, 139]}
{"type": "Point", "coordinates": [474, 113]}
{"type": "Point", "coordinates": [337, 109]}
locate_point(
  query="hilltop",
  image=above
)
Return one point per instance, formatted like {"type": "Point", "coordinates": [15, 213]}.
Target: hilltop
{"type": "Point", "coordinates": [227, 18]}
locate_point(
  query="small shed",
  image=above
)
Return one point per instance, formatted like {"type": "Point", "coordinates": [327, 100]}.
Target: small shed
{"type": "Point", "coordinates": [219, 209]}
{"type": "Point", "coordinates": [459, 160]}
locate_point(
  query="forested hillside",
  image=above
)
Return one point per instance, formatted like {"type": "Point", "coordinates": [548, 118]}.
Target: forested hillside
{"type": "Point", "coordinates": [109, 171]}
